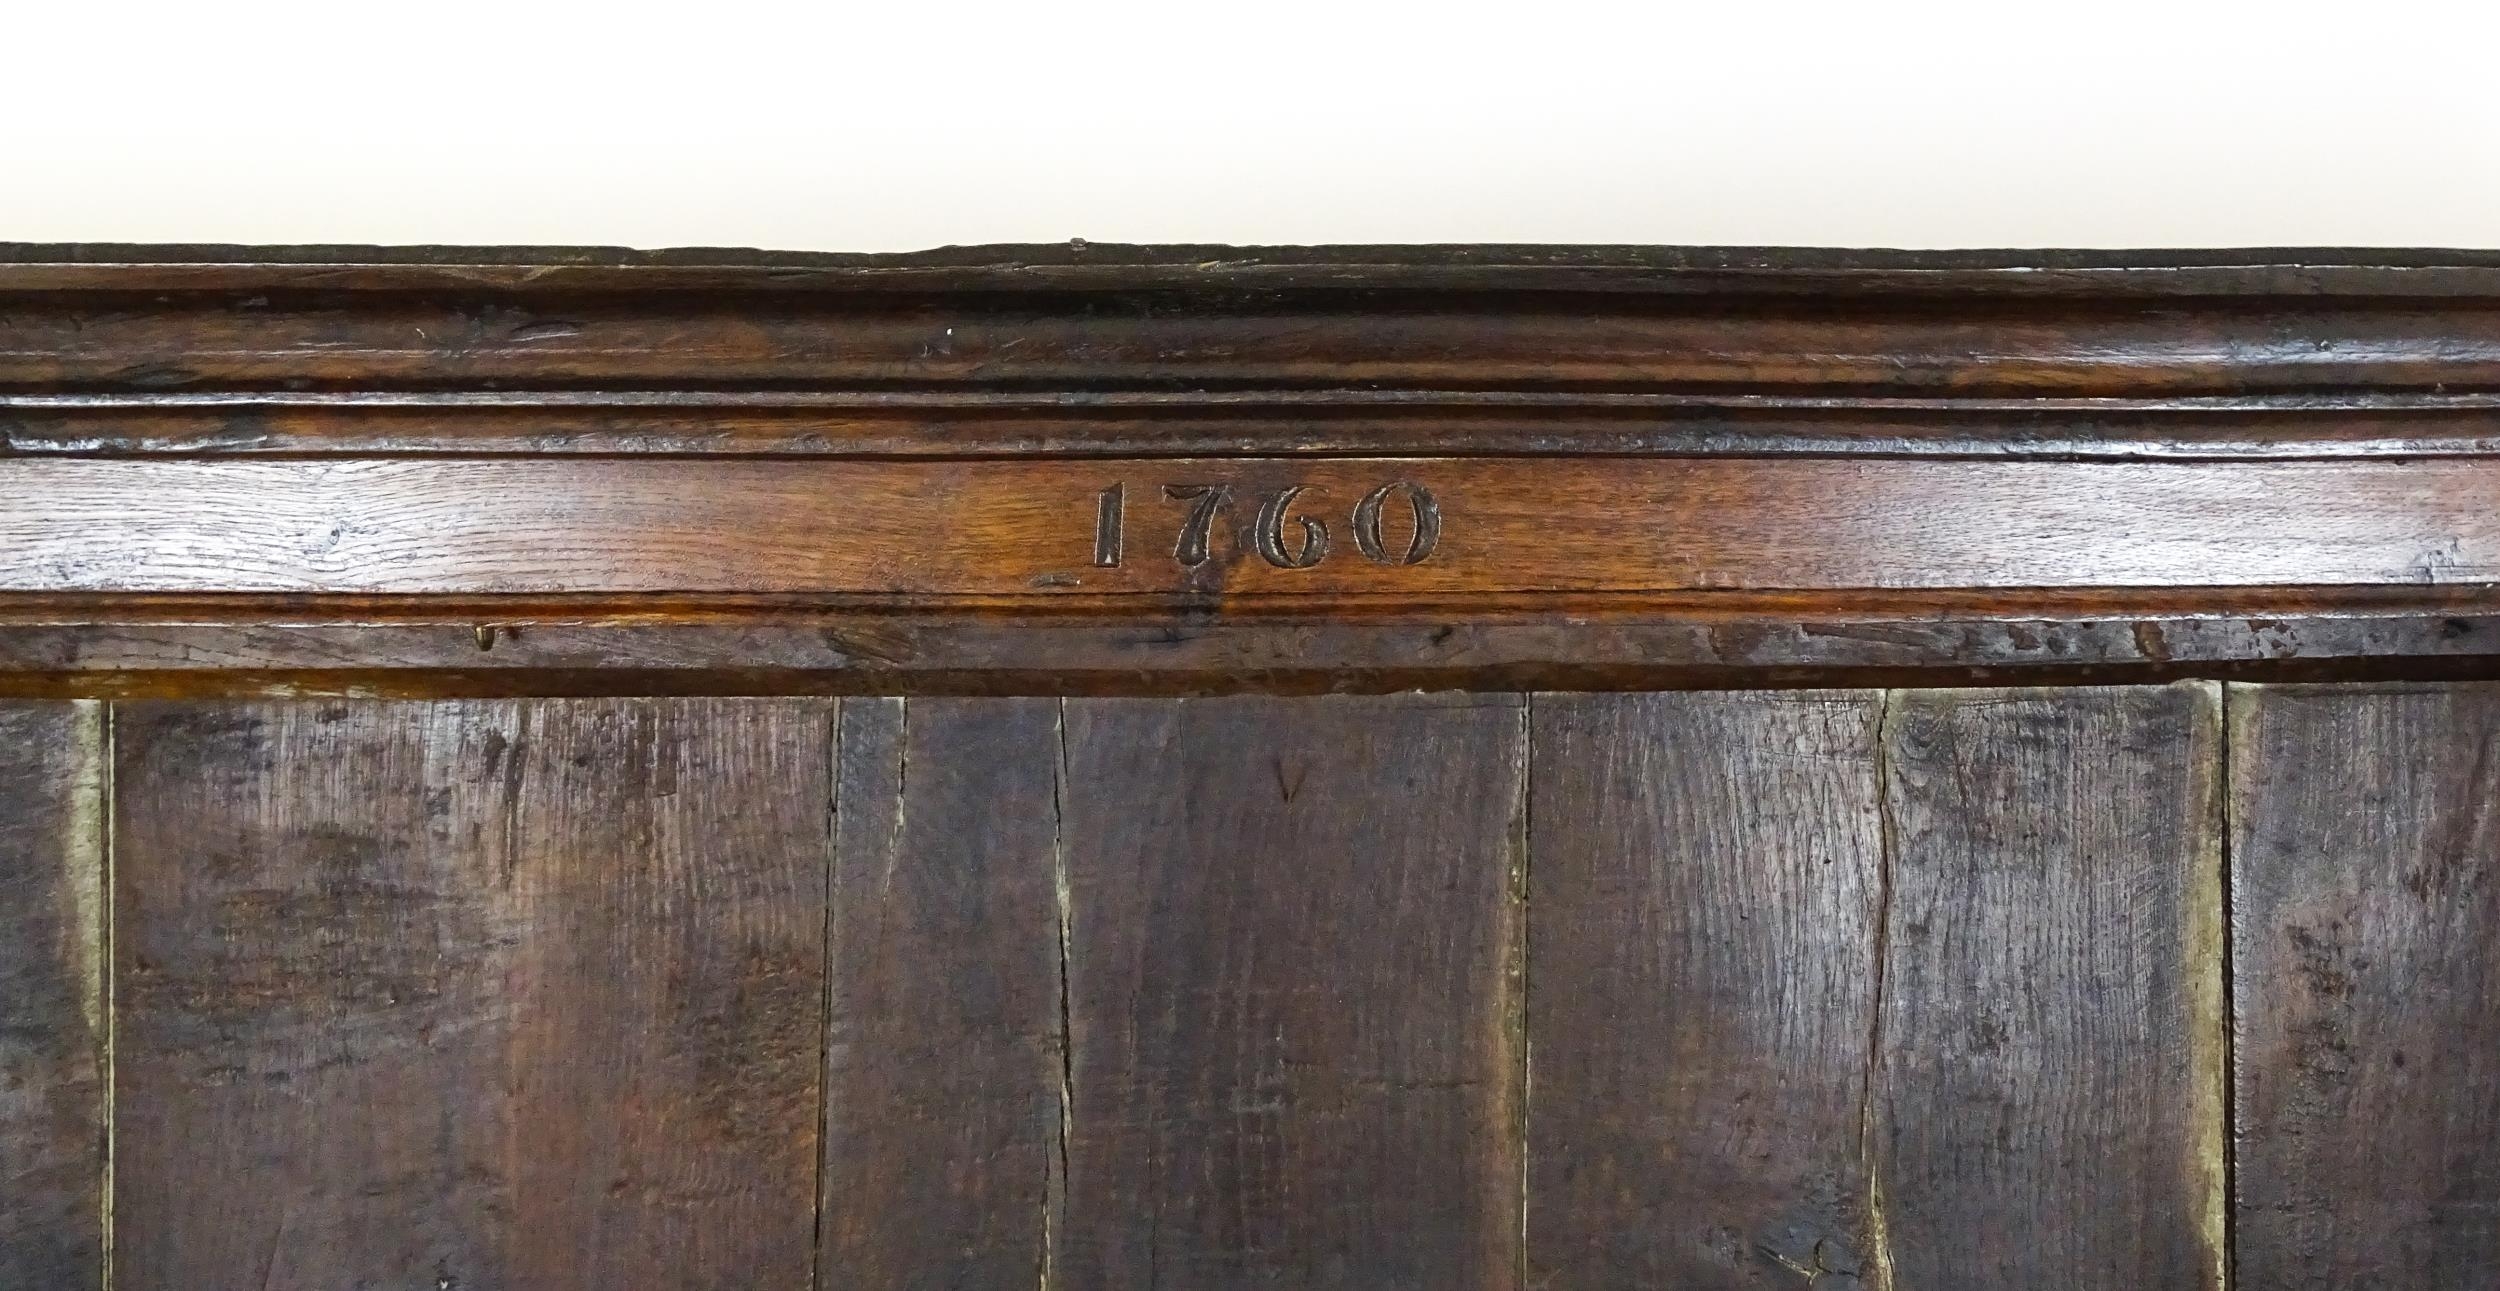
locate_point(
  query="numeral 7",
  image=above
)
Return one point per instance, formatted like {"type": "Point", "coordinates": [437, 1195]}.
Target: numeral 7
{"type": "Point", "coordinates": [1206, 499]}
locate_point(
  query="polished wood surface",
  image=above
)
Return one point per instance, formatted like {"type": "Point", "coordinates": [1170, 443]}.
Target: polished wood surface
{"type": "Point", "coordinates": [156, 319]}
{"type": "Point", "coordinates": [1225, 422]}
{"type": "Point", "coordinates": [2209, 456]}
{"type": "Point", "coordinates": [1236, 528]}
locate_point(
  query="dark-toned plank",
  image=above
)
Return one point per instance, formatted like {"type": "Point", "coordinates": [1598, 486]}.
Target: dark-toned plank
{"type": "Point", "coordinates": [943, 1085]}
{"type": "Point", "coordinates": [2048, 1080]}
{"type": "Point", "coordinates": [1207, 331]}
{"type": "Point", "coordinates": [1232, 272]}
{"type": "Point", "coordinates": [1220, 422]}
{"type": "Point", "coordinates": [898, 529]}
{"type": "Point", "coordinates": [1290, 965]}
{"type": "Point", "coordinates": [1705, 876]}
{"type": "Point", "coordinates": [52, 994]}
{"type": "Point", "coordinates": [469, 994]}
{"type": "Point", "coordinates": [194, 647]}
{"type": "Point", "coordinates": [2365, 910]}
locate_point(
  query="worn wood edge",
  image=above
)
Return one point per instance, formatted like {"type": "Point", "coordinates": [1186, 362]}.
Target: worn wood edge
{"type": "Point", "coordinates": [2247, 698]}
{"type": "Point", "coordinates": [2205, 941]}
{"type": "Point", "coordinates": [483, 649]}
{"type": "Point", "coordinates": [432, 684]}
{"type": "Point", "coordinates": [1954, 350]}
{"type": "Point", "coordinates": [56, 1015]}
{"type": "Point", "coordinates": [2315, 270]}
{"type": "Point", "coordinates": [2242, 703]}
{"type": "Point", "coordinates": [1922, 605]}
{"type": "Point", "coordinates": [90, 846]}
{"type": "Point", "coordinates": [979, 424]}
{"type": "Point", "coordinates": [2162, 326]}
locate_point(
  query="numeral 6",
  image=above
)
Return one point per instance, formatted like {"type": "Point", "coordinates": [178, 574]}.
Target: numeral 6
{"type": "Point", "coordinates": [1269, 534]}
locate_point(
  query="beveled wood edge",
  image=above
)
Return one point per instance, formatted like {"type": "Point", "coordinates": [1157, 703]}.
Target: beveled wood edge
{"type": "Point", "coordinates": [417, 647]}
{"type": "Point", "coordinates": [2429, 272]}
{"type": "Point", "coordinates": [981, 423]}
{"type": "Point", "coordinates": [1925, 346]}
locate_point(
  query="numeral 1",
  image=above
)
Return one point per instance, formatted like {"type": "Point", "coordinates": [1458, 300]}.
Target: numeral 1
{"type": "Point", "coordinates": [1108, 526]}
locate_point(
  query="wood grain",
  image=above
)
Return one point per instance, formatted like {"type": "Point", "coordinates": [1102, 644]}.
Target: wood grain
{"type": "Point", "coordinates": [470, 994]}
{"type": "Point", "coordinates": [1376, 329]}
{"type": "Point", "coordinates": [1292, 934]}
{"type": "Point", "coordinates": [1705, 887]}
{"type": "Point", "coordinates": [1910, 991]}
{"type": "Point", "coordinates": [901, 529]}
{"type": "Point", "coordinates": [53, 1024]}
{"type": "Point", "coordinates": [200, 646]}
{"type": "Point", "coordinates": [2047, 1101]}
{"type": "Point", "coordinates": [2367, 990]}
{"type": "Point", "coordinates": [907, 434]}
{"type": "Point", "coordinates": [2309, 274]}
{"type": "Point", "coordinates": [943, 1147]}
{"type": "Point", "coordinates": [1227, 422]}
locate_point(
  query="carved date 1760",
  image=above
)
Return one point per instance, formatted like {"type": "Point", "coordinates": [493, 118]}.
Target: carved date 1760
{"type": "Point", "coordinates": [1302, 545]}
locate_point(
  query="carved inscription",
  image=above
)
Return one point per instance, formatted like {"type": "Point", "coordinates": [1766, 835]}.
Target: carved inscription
{"type": "Point", "coordinates": [1427, 529]}
{"type": "Point", "coordinates": [1282, 530]}
{"type": "Point", "coordinates": [1109, 525]}
{"type": "Point", "coordinates": [1206, 501]}
{"type": "Point", "coordinates": [1269, 534]}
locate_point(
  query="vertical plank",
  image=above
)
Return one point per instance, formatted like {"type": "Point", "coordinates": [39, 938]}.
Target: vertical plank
{"type": "Point", "coordinates": [52, 1005]}
{"type": "Point", "coordinates": [469, 994]}
{"type": "Point", "coordinates": [1705, 874]}
{"type": "Point", "coordinates": [1292, 994]}
{"type": "Point", "coordinates": [943, 1062]}
{"type": "Point", "coordinates": [2366, 975]}
{"type": "Point", "coordinates": [2048, 1081]}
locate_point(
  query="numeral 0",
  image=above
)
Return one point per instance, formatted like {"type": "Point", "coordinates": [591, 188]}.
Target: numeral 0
{"type": "Point", "coordinates": [1427, 514]}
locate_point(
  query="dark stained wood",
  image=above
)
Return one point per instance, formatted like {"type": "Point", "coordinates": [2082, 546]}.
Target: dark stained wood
{"type": "Point", "coordinates": [1657, 318]}
{"type": "Point", "coordinates": [53, 1022]}
{"type": "Point", "coordinates": [1128, 989]}
{"type": "Point", "coordinates": [2139, 274]}
{"type": "Point", "coordinates": [1705, 886]}
{"type": "Point", "coordinates": [877, 422]}
{"type": "Point", "coordinates": [1867, 433]}
{"type": "Point", "coordinates": [2367, 987]}
{"type": "Point", "coordinates": [2048, 1076]}
{"type": "Point", "coordinates": [942, 1135]}
{"type": "Point", "coordinates": [1291, 947]}
{"type": "Point", "coordinates": [662, 645]}
{"type": "Point", "coordinates": [1556, 525]}
{"type": "Point", "coordinates": [469, 994]}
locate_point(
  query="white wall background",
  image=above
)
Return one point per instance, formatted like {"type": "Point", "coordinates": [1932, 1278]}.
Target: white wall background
{"type": "Point", "coordinates": [900, 125]}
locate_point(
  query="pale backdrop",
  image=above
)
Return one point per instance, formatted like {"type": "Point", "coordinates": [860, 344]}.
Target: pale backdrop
{"type": "Point", "coordinates": [843, 127]}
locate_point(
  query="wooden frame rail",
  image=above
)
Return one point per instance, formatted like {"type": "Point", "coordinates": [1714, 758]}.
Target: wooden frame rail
{"type": "Point", "coordinates": [1080, 469]}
